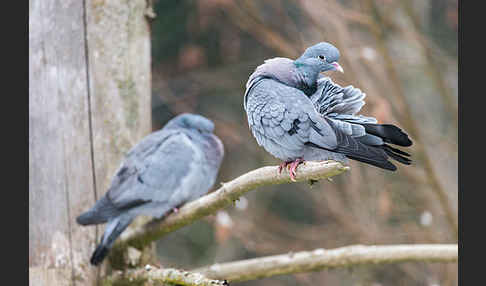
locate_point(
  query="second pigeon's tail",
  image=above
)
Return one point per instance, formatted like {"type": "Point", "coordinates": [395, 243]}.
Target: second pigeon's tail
{"type": "Point", "coordinates": [101, 212]}
{"type": "Point", "coordinates": [113, 230]}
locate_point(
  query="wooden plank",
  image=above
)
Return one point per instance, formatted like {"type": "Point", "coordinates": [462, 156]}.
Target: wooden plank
{"type": "Point", "coordinates": [119, 56]}
{"type": "Point", "coordinates": [61, 171]}
{"type": "Point", "coordinates": [60, 180]}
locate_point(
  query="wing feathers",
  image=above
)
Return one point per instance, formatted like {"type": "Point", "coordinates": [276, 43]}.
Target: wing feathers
{"type": "Point", "coordinates": [389, 133]}
{"type": "Point", "coordinates": [356, 150]}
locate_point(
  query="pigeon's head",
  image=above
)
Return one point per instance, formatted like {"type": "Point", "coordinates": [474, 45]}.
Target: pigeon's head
{"type": "Point", "coordinates": [321, 57]}
{"type": "Point", "coordinates": [193, 122]}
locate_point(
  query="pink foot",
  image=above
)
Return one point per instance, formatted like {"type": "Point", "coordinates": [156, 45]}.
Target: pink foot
{"type": "Point", "coordinates": [293, 168]}
{"type": "Point", "coordinates": [175, 210]}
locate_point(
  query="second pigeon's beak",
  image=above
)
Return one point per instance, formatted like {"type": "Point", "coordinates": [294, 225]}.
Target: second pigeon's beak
{"type": "Point", "coordinates": [337, 67]}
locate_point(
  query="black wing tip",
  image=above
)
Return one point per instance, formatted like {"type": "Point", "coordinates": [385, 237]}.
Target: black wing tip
{"type": "Point", "coordinates": [395, 150]}
{"type": "Point", "coordinates": [403, 140]}
{"type": "Point", "coordinates": [390, 166]}
{"type": "Point", "coordinates": [389, 133]}
{"type": "Point", "coordinates": [377, 156]}
{"type": "Point", "coordinates": [396, 154]}
{"type": "Point", "coordinates": [99, 255]}
{"type": "Point", "coordinates": [353, 149]}
{"type": "Point", "coordinates": [386, 165]}
{"type": "Point", "coordinates": [382, 164]}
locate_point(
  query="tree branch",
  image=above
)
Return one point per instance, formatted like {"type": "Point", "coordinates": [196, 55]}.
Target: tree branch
{"type": "Point", "coordinates": [304, 261]}
{"type": "Point", "coordinates": [165, 276]}
{"type": "Point", "coordinates": [319, 259]}
{"type": "Point", "coordinates": [223, 197]}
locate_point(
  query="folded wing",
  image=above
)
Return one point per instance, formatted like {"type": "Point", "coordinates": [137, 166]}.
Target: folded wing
{"type": "Point", "coordinates": [340, 106]}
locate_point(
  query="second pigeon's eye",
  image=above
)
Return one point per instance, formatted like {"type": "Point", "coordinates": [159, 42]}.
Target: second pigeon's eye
{"type": "Point", "coordinates": [322, 57]}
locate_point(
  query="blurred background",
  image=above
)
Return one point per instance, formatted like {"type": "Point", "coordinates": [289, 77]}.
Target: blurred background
{"type": "Point", "coordinates": [402, 54]}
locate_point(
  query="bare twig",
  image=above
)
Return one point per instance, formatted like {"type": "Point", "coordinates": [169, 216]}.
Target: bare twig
{"type": "Point", "coordinates": [319, 259]}
{"type": "Point", "coordinates": [247, 20]}
{"type": "Point", "coordinates": [225, 196]}
{"type": "Point", "coordinates": [411, 126]}
{"type": "Point", "coordinates": [155, 276]}
{"type": "Point", "coordinates": [433, 67]}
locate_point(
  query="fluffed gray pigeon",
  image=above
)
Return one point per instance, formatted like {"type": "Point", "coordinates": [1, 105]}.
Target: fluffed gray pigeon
{"type": "Point", "coordinates": [166, 169]}
{"type": "Point", "coordinates": [297, 114]}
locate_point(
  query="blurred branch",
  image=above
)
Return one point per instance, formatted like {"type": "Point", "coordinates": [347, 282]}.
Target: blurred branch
{"type": "Point", "coordinates": [223, 197]}
{"type": "Point", "coordinates": [411, 126]}
{"type": "Point", "coordinates": [304, 261]}
{"type": "Point", "coordinates": [433, 67]}
{"type": "Point", "coordinates": [247, 20]}
{"type": "Point", "coordinates": [319, 259]}
{"type": "Point", "coordinates": [161, 277]}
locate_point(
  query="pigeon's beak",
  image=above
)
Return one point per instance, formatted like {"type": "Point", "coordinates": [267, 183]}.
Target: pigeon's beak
{"type": "Point", "coordinates": [337, 67]}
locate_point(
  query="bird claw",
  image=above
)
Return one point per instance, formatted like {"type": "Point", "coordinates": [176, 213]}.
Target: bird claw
{"type": "Point", "coordinates": [292, 178]}
{"type": "Point", "coordinates": [291, 166]}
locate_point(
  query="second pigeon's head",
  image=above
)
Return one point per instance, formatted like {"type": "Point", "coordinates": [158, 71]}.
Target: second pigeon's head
{"type": "Point", "coordinates": [322, 57]}
{"type": "Point", "coordinates": [192, 121]}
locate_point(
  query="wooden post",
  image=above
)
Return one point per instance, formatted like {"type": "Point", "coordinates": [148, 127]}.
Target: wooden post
{"type": "Point", "coordinates": [89, 102]}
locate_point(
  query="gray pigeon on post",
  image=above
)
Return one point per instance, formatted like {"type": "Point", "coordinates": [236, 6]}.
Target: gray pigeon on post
{"type": "Point", "coordinates": [297, 114]}
{"type": "Point", "coordinates": [168, 168]}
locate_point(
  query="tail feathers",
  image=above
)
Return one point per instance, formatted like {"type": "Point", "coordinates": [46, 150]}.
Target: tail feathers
{"type": "Point", "coordinates": [99, 254]}
{"type": "Point", "coordinates": [389, 133]}
{"type": "Point", "coordinates": [394, 135]}
{"type": "Point", "coordinates": [354, 149]}
{"type": "Point", "coordinates": [396, 154]}
{"type": "Point", "coordinates": [379, 161]}
{"type": "Point", "coordinates": [358, 151]}
{"type": "Point", "coordinates": [113, 230]}
{"type": "Point", "coordinates": [372, 155]}
{"type": "Point", "coordinates": [101, 212]}
{"type": "Point", "coordinates": [88, 218]}
{"type": "Point", "coordinates": [383, 163]}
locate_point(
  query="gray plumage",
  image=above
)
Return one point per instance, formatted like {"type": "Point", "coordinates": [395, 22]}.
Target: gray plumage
{"type": "Point", "coordinates": [168, 168]}
{"type": "Point", "coordinates": [296, 113]}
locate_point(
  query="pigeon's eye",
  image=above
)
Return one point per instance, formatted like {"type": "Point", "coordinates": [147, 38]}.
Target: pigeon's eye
{"type": "Point", "coordinates": [322, 57]}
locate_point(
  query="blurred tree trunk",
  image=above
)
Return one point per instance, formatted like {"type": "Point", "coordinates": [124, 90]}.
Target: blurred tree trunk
{"type": "Point", "coordinates": [89, 102]}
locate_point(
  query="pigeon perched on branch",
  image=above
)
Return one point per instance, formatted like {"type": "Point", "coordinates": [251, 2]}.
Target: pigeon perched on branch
{"type": "Point", "coordinates": [168, 168]}
{"type": "Point", "coordinates": [297, 114]}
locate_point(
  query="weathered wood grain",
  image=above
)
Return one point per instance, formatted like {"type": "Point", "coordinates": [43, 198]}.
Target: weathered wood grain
{"type": "Point", "coordinates": [119, 64]}
{"type": "Point", "coordinates": [89, 97]}
{"type": "Point", "coordinates": [60, 177]}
